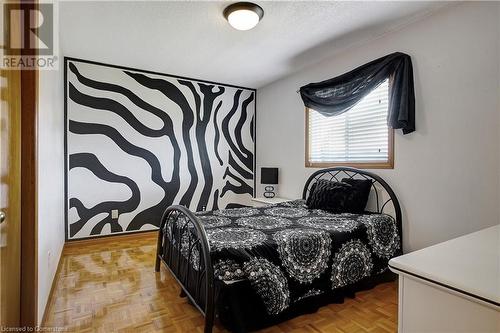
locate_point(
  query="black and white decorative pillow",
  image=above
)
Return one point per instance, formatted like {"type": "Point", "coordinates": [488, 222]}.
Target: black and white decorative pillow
{"type": "Point", "coordinates": [362, 188]}
{"type": "Point", "coordinates": [332, 196]}
{"type": "Point", "coordinates": [310, 195]}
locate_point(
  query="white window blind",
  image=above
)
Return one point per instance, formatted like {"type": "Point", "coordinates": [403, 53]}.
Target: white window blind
{"type": "Point", "coordinates": [358, 135]}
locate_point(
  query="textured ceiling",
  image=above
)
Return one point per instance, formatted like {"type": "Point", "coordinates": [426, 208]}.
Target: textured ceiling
{"type": "Point", "coordinates": [193, 39]}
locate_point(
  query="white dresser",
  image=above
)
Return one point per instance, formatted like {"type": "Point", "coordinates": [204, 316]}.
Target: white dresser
{"type": "Point", "coordinates": [452, 286]}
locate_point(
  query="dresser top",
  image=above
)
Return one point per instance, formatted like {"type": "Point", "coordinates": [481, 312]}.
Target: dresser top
{"type": "Point", "coordinates": [469, 264]}
{"type": "Point", "coordinates": [270, 201]}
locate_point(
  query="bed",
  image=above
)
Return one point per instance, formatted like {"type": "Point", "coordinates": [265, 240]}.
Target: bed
{"type": "Point", "coordinates": [254, 267]}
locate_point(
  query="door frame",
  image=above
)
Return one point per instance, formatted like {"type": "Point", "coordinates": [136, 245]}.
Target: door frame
{"type": "Point", "coordinates": [29, 186]}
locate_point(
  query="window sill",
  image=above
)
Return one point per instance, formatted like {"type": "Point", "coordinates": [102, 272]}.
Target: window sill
{"type": "Point", "coordinates": [359, 165]}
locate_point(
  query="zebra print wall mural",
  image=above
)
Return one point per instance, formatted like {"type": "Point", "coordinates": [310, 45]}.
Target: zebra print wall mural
{"type": "Point", "coordinates": [138, 141]}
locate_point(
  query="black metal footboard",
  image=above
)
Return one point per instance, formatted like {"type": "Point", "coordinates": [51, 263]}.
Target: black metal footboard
{"type": "Point", "coordinates": [183, 248]}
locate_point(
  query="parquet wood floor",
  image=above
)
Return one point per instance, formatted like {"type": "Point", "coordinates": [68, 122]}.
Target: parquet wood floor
{"type": "Point", "coordinates": [109, 285]}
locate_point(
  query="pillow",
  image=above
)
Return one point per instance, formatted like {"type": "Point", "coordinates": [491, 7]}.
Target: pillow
{"type": "Point", "coordinates": [309, 197]}
{"type": "Point", "coordinates": [331, 196]}
{"type": "Point", "coordinates": [362, 188]}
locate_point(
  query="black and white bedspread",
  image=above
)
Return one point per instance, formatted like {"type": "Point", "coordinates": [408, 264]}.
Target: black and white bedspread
{"type": "Point", "coordinates": [289, 252]}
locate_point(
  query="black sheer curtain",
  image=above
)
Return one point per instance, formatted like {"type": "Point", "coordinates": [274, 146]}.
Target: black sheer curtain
{"type": "Point", "coordinates": [336, 96]}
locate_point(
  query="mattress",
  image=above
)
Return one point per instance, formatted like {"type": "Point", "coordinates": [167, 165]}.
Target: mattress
{"type": "Point", "coordinates": [288, 253]}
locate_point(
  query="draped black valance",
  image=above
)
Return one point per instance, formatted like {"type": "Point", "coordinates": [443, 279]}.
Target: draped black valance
{"type": "Point", "coordinates": [336, 96]}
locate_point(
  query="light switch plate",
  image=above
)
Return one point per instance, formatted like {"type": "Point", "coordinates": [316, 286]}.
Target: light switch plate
{"type": "Point", "coordinates": [114, 213]}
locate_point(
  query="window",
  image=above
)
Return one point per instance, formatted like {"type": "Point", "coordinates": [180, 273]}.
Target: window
{"type": "Point", "coordinates": [359, 137]}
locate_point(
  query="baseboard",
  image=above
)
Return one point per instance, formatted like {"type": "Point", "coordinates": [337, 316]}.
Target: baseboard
{"type": "Point", "coordinates": [108, 238]}
{"type": "Point", "coordinates": [48, 305]}
{"type": "Point", "coordinates": [71, 240]}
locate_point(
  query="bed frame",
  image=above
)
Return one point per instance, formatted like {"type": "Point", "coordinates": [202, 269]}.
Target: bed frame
{"type": "Point", "coordinates": [192, 267]}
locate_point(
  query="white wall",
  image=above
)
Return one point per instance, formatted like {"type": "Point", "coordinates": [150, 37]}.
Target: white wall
{"type": "Point", "coordinates": [50, 181]}
{"type": "Point", "coordinates": [446, 174]}
{"type": "Point", "coordinates": [498, 94]}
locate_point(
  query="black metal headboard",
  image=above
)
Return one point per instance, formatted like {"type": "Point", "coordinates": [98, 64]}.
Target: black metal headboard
{"type": "Point", "coordinates": [378, 184]}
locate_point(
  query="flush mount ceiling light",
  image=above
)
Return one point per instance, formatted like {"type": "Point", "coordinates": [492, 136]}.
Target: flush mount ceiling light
{"type": "Point", "coordinates": [243, 15]}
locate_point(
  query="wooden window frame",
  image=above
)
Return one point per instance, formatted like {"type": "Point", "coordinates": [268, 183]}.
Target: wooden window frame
{"type": "Point", "coordinates": [389, 164]}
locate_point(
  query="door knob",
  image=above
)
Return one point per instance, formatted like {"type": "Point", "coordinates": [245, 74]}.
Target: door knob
{"type": "Point", "coordinates": [2, 216]}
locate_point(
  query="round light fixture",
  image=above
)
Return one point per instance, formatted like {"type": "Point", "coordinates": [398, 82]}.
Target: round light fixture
{"type": "Point", "coordinates": [243, 15]}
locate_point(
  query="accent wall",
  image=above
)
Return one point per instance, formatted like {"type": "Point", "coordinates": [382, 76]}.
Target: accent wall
{"type": "Point", "coordinates": [137, 142]}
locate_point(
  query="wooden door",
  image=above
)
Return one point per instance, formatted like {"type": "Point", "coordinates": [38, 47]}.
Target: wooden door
{"type": "Point", "coordinates": [10, 196]}
{"type": "Point", "coordinates": [10, 199]}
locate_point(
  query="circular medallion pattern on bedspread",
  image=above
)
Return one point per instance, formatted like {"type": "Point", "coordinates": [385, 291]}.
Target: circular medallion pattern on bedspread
{"type": "Point", "coordinates": [303, 252]}
{"type": "Point", "coordinates": [330, 223]}
{"type": "Point", "coordinates": [270, 284]}
{"type": "Point", "coordinates": [263, 222]}
{"type": "Point", "coordinates": [287, 212]}
{"type": "Point", "coordinates": [237, 212]}
{"type": "Point", "coordinates": [234, 238]}
{"type": "Point", "coordinates": [214, 221]}
{"type": "Point", "coordinates": [383, 234]}
{"type": "Point", "coordinates": [351, 263]}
